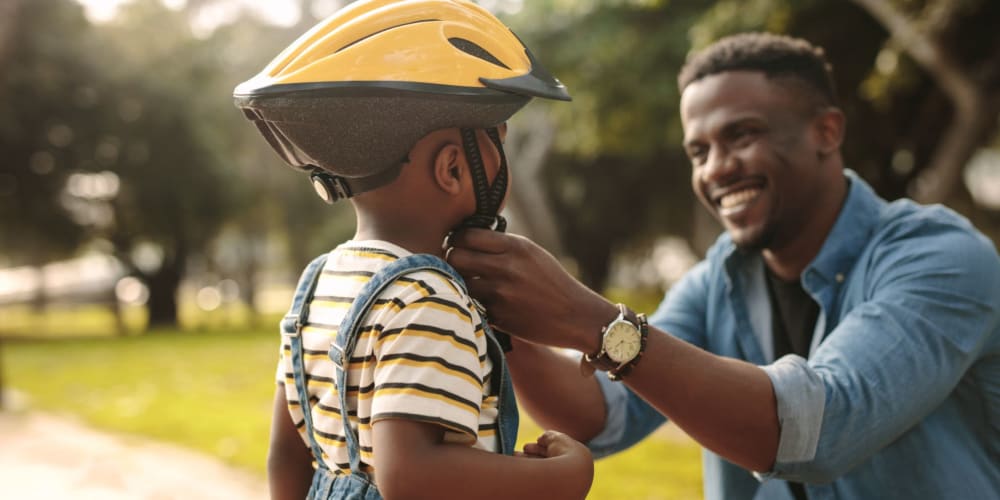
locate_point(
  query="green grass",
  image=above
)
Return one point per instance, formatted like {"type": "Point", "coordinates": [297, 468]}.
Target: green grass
{"type": "Point", "coordinates": [211, 390]}
{"type": "Point", "coordinates": [23, 321]}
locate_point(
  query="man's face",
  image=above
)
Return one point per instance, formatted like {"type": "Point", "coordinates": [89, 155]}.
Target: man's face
{"type": "Point", "coordinates": [754, 163]}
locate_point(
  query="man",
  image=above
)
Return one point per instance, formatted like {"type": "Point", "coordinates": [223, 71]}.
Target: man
{"type": "Point", "coordinates": [837, 345]}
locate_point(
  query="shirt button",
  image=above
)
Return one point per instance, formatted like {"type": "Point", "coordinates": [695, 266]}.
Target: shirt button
{"type": "Point", "coordinates": [839, 277]}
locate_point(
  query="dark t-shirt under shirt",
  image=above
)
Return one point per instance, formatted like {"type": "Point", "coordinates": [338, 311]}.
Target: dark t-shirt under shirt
{"type": "Point", "coordinates": [794, 315]}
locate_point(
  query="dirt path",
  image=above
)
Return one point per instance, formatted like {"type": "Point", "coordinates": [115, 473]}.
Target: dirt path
{"type": "Point", "coordinates": [47, 457]}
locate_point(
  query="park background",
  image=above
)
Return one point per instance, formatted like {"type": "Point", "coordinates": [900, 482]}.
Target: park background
{"type": "Point", "coordinates": [149, 239]}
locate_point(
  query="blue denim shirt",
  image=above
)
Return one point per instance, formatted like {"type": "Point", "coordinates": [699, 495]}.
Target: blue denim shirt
{"type": "Point", "coordinates": [900, 396]}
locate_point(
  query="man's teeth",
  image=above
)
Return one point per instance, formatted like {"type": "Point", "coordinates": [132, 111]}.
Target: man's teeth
{"type": "Point", "coordinates": [738, 197]}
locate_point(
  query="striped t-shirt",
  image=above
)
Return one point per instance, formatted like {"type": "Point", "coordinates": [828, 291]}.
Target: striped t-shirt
{"type": "Point", "coordinates": [421, 355]}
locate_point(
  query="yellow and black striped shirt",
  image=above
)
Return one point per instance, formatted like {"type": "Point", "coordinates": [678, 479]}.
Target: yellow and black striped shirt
{"type": "Point", "coordinates": [421, 355]}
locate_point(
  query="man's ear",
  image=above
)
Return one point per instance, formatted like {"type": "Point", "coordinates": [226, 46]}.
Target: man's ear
{"type": "Point", "coordinates": [449, 169]}
{"type": "Point", "coordinates": [829, 127]}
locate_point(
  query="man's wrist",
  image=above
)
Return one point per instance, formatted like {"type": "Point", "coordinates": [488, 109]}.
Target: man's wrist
{"type": "Point", "coordinates": [621, 342]}
{"type": "Point", "coordinates": [588, 333]}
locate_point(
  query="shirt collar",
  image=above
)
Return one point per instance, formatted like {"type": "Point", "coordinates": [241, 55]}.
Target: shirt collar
{"type": "Point", "coordinates": [850, 233]}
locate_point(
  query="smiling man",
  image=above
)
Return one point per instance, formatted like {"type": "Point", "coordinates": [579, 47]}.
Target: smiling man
{"type": "Point", "coordinates": [831, 345]}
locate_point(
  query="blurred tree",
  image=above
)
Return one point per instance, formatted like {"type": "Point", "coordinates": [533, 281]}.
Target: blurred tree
{"type": "Point", "coordinates": [119, 109]}
{"type": "Point", "coordinates": [275, 200]}
{"type": "Point", "coordinates": [618, 177]}
{"type": "Point", "coordinates": [144, 103]}
{"type": "Point", "coordinates": [178, 184]}
{"type": "Point", "coordinates": [45, 129]}
{"type": "Point", "coordinates": [957, 46]}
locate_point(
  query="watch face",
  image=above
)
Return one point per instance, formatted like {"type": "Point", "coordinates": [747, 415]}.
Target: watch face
{"type": "Point", "coordinates": [622, 341]}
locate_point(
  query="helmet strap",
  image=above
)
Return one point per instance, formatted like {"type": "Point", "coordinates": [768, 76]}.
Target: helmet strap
{"type": "Point", "coordinates": [489, 196]}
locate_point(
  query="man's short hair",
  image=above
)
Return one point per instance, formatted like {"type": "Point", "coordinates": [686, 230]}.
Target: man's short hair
{"type": "Point", "coordinates": [774, 55]}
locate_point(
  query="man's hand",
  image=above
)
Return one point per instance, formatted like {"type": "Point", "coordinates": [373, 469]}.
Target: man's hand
{"type": "Point", "coordinates": [526, 291]}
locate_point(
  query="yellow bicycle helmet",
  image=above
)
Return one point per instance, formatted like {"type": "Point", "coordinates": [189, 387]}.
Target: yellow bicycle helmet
{"type": "Point", "coordinates": [351, 96]}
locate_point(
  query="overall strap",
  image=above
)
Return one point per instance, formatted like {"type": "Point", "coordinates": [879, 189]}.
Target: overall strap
{"type": "Point", "coordinates": [347, 334]}
{"type": "Point", "coordinates": [291, 326]}
{"type": "Point", "coordinates": [343, 347]}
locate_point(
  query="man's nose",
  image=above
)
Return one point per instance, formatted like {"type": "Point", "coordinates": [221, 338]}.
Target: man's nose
{"type": "Point", "coordinates": [720, 166]}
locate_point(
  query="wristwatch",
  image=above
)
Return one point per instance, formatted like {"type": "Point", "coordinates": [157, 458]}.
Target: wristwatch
{"type": "Point", "coordinates": [623, 341]}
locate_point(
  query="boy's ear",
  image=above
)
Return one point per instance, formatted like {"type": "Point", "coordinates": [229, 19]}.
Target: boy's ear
{"type": "Point", "coordinates": [449, 169]}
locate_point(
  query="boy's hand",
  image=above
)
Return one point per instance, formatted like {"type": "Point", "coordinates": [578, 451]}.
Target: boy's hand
{"type": "Point", "coordinates": [553, 444]}
{"type": "Point", "coordinates": [579, 462]}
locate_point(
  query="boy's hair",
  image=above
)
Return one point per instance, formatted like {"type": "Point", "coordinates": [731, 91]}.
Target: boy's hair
{"type": "Point", "coordinates": [774, 55]}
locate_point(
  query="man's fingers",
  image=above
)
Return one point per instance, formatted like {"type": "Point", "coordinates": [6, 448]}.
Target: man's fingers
{"type": "Point", "coordinates": [472, 264]}
{"type": "Point", "coordinates": [479, 289]}
{"type": "Point", "coordinates": [467, 262]}
{"type": "Point", "coordinates": [480, 240]}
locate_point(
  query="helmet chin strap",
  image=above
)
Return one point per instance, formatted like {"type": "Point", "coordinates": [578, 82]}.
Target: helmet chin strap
{"type": "Point", "coordinates": [489, 196]}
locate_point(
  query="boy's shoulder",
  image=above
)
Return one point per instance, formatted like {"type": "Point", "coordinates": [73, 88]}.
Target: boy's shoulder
{"type": "Point", "coordinates": [430, 288]}
{"type": "Point", "coordinates": [364, 260]}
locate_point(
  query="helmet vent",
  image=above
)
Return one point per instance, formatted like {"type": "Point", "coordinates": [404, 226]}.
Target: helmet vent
{"type": "Point", "coordinates": [475, 50]}
{"type": "Point", "coordinates": [370, 35]}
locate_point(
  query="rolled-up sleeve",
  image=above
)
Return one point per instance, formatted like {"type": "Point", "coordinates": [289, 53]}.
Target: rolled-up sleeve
{"type": "Point", "coordinates": [893, 358]}
{"type": "Point", "coordinates": [628, 421]}
{"type": "Point", "coordinates": [615, 400]}
{"type": "Point", "coordinates": [801, 399]}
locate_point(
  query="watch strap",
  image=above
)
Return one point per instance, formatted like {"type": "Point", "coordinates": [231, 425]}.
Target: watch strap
{"type": "Point", "coordinates": [618, 373]}
{"type": "Point", "coordinates": [600, 360]}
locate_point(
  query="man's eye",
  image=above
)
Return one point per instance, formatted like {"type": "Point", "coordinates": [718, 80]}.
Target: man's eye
{"type": "Point", "coordinates": [743, 135]}
{"type": "Point", "coordinates": [697, 155]}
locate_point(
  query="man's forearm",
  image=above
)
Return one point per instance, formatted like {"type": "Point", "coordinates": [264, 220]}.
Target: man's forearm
{"type": "Point", "coordinates": [725, 404]}
{"type": "Point", "coordinates": [551, 388]}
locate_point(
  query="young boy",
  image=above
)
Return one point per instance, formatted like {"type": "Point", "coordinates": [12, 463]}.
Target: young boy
{"type": "Point", "coordinates": [388, 369]}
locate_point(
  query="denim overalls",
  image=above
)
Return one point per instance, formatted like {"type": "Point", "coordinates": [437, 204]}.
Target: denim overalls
{"type": "Point", "coordinates": [358, 485]}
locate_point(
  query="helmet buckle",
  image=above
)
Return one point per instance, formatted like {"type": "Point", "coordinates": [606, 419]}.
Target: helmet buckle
{"type": "Point", "coordinates": [330, 188]}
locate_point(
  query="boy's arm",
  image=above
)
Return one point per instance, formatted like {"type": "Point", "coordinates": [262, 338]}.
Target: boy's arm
{"type": "Point", "coordinates": [552, 389]}
{"type": "Point", "coordinates": [413, 461]}
{"type": "Point", "coordinates": [289, 461]}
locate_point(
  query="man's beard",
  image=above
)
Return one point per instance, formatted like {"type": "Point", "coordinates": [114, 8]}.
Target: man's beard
{"type": "Point", "coordinates": [755, 241]}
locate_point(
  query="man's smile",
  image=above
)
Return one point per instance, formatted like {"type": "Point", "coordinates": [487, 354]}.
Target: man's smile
{"type": "Point", "coordinates": [737, 197]}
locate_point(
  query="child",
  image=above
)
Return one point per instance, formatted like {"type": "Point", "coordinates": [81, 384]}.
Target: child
{"type": "Point", "coordinates": [388, 369]}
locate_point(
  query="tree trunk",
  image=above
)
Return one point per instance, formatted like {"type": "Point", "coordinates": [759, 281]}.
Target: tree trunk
{"type": "Point", "coordinates": [40, 300]}
{"type": "Point", "coordinates": [163, 288]}
{"type": "Point", "coordinates": [8, 24]}
{"type": "Point", "coordinates": [975, 112]}
{"type": "Point", "coordinates": [115, 308]}
{"type": "Point", "coordinates": [593, 266]}
{"type": "Point", "coordinates": [248, 275]}
{"type": "Point", "coordinates": [970, 124]}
